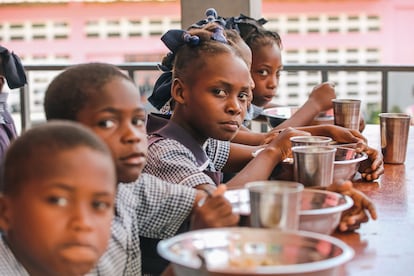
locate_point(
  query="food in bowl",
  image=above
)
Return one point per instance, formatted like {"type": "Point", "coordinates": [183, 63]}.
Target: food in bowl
{"type": "Point", "coordinates": [277, 115]}
{"type": "Point", "coordinates": [254, 251]}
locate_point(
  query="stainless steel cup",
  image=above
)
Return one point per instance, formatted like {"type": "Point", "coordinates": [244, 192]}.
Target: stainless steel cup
{"type": "Point", "coordinates": [394, 136]}
{"type": "Point", "coordinates": [313, 165]}
{"type": "Point", "coordinates": [310, 141]}
{"type": "Point", "coordinates": [346, 113]}
{"type": "Point", "coordinates": [275, 204]}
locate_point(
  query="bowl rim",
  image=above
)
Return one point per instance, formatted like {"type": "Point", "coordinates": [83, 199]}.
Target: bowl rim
{"type": "Point", "coordinates": [328, 210]}
{"type": "Point", "coordinates": [347, 253]}
{"type": "Point", "coordinates": [362, 157]}
{"type": "Point", "coordinates": [265, 112]}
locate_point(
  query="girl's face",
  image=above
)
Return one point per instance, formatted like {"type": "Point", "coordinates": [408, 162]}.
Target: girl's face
{"type": "Point", "coordinates": [59, 224]}
{"type": "Point", "coordinates": [265, 71]}
{"type": "Point", "coordinates": [116, 115]}
{"type": "Point", "coordinates": [215, 102]}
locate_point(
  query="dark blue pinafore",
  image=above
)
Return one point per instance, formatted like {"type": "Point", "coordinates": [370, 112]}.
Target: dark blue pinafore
{"type": "Point", "coordinates": [159, 127]}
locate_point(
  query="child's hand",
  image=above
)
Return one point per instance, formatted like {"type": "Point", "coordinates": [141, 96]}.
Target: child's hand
{"type": "Point", "coordinates": [282, 141]}
{"type": "Point", "coordinates": [344, 135]}
{"type": "Point", "coordinates": [373, 167]}
{"type": "Point", "coordinates": [352, 218]}
{"type": "Point", "coordinates": [322, 95]}
{"type": "Point", "coordinates": [215, 211]}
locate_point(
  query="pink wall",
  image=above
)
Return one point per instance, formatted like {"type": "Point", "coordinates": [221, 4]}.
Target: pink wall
{"type": "Point", "coordinates": [395, 39]}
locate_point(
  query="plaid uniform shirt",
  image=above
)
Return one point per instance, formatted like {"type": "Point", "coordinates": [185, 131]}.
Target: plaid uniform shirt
{"type": "Point", "coordinates": [173, 162]}
{"type": "Point", "coordinates": [8, 264]}
{"type": "Point", "coordinates": [149, 207]}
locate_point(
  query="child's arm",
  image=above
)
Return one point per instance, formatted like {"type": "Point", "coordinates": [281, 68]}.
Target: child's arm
{"type": "Point", "coordinates": [247, 137]}
{"type": "Point", "coordinates": [261, 166]}
{"type": "Point", "coordinates": [319, 100]}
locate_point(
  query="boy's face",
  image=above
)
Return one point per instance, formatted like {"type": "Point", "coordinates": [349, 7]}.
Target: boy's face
{"type": "Point", "coordinates": [265, 71]}
{"type": "Point", "coordinates": [117, 116]}
{"type": "Point", "coordinates": [59, 223]}
{"type": "Point", "coordinates": [215, 103]}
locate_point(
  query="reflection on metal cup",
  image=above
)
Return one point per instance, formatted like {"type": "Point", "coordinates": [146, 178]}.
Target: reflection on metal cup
{"type": "Point", "coordinates": [346, 113]}
{"type": "Point", "coordinates": [313, 165]}
{"type": "Point", "coordinates": [275, 204]}
{"type": "Point", "coordinates": [310, 141]}
{"type": "Point", "coordinates": [394, 136]}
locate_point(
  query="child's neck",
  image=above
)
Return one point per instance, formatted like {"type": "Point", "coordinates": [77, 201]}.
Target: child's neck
{"type": "Point", "coordinates": [197, 136]}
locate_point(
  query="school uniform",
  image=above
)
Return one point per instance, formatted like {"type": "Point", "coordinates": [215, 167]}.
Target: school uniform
{"type": "Point", "coordinates": [7, 127]}
{"type": "Point", "coordinates": [148, 207]}
{"type": "Point", "coordinates": [8, 263]}
{"type": "Point", "coordinates": [176, 156]}
{"type": "Point", "coordinates": [253, 111]}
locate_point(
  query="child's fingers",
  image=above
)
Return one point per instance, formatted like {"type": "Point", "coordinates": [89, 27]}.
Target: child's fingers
{"type": "Point", "coordinates": [369, 205]}
{"type": "Point", "coordinates": [221, 189]}
{"type": "Point", "coordinates": [340, 186]}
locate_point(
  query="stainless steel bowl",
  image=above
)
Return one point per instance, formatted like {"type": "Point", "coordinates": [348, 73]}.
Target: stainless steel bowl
{"type": "Point", "coordinates": [254, 251]}
{"type": "Point", "coordinates": [277, 115]}
{"type": "Point", "coordinates": [346, 163]}
{"type": "Point", "coordinates": [321, 210]}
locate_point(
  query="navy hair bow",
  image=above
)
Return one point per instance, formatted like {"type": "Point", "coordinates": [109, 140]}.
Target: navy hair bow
{"type": "Point", "coordinates": [12, 68]}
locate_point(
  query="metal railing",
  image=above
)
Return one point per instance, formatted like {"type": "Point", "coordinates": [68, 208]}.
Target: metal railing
{"type": "Point", "coordinates": [131, 68]}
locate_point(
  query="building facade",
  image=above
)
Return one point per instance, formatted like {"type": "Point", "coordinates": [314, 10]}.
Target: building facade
{"type": "Point", "coordinates": [313, 32]}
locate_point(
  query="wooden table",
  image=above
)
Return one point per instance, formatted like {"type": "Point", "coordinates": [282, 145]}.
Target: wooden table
{"type": "Point", "coordinates": [386, 246]}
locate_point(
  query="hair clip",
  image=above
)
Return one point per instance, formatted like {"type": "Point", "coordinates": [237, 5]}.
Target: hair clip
{"type": "Point", "coordinates": [193, 40]}
{"type": "Point", "coordinates": [218, 35]}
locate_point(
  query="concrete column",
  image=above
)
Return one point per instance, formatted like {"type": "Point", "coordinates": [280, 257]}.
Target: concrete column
{"type": "Point", "coordinates": [194, 10]}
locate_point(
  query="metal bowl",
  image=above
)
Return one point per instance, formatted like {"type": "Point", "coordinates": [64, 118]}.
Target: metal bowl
{"type": "Point", "coordinates": [277, 115]}
{"type": "Point", "coordinates": [321, 210]}
{"type": "Point", "coordinates": [346, 163]}
{"type": "Point", "coordinates": [254, 251]}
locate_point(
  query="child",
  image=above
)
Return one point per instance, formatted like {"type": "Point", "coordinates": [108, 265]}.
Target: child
{"type": "Point", "coordinates": [161, 97]}
{"type": "Point", "coordinates": [56, 206]}
{"type": "Point", "coordinates": [101, 97]}
{"type": "Point", "coordinates": [165, 151]}
{"type": "Point", "coordinates": [210, 102]}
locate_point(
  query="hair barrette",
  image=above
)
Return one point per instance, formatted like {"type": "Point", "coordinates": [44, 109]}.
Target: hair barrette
{"type": "Point", "coordinates": [218, 35]}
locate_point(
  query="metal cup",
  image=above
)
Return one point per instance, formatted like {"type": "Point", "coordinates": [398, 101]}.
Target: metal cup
{"type": "Point", "coordinates": [313, 165]}
{"type": "Point", "coordinates": [275, 204]}
{"type": "Point", "coordinates": [346, 113]}
{"type": "Point", "coordinates": [394, 129]}
{"type": "Point", "coordinates": [310, 141]}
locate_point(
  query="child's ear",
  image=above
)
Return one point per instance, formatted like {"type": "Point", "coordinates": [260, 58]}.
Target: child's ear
{"type": "Point", "coordinates": [177, 91]}
{"type": "Point", "coordinates": [5, 213]}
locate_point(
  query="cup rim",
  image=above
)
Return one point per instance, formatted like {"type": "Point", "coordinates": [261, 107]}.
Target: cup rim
{"type": "Point", "coordinates": [318, 139]}
{"type": "Point", "coordinates": [309, 149]}
{"type": "Point", "coordinates": [346, 101]}
{"type": "Point", "coordinates": [394, 115]}
{"type": "Point", "coordinates": [274, 186]}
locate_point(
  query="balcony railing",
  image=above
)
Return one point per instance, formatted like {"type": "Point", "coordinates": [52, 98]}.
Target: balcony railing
{"type": "Point", "coordinates": [133, 68]}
